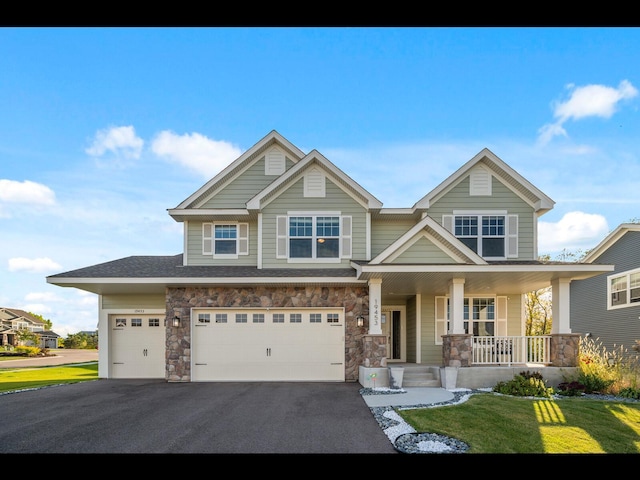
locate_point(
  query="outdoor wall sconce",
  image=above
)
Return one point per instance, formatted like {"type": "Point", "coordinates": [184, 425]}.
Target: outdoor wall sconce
{"type": "Point", "coordinates": [176, 321]}
{"type": "Point", "coordinates": [360, 321]}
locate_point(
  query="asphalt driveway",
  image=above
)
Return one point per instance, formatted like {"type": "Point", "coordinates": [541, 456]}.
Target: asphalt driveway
{"type": "Point", "coordinates": [153, 416]}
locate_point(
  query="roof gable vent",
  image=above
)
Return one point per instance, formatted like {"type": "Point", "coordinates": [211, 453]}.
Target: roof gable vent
{"type": "Point", "coordinates": [479, 182]}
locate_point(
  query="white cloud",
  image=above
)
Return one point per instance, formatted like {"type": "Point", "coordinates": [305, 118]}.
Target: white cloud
{"type": "Point", "coordinates": [42, 297]}
{"type": "Point", "coordinates": [574, 231]}
{"type": "Point", "coordinates": [586, 101]}
{"type": "Point", "coordinates": [26, 192]}
{"type": "Point", "coordinates": [33, 265]}
{"type": "Point", "coordinates": [195, 151]}
{"type": "Point", "coordinates": [121, 141]}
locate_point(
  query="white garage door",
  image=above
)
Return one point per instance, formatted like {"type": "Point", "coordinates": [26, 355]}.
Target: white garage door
{"type": "Point", "coordinates": [267, 345]}
{"type": "Point", "coordinates": [137, 346]}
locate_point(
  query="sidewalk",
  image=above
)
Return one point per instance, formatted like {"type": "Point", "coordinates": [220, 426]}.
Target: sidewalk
{"type": "Point", "coordinates": [410, 396]}
{"type": "Point", "coordinates": [58, 356]}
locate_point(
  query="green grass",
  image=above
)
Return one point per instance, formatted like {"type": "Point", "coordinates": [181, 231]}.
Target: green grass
{"type": "Point", "coordinates": [12, 379]}
{"type": "Point", "coordinates": [491, 423]}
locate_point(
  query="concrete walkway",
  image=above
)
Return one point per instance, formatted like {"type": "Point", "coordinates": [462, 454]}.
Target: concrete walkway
{"type": "Point", "coordinates": [411, 396]}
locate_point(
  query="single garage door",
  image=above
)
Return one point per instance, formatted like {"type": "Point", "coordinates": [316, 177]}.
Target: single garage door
{"type": "Point", "coordinates": [137, 346]}
{"type": "Point", "coordinates": [267, 345]}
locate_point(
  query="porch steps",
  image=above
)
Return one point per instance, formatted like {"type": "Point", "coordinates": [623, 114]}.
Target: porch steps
{"type": "Point", "coordinates": [421, 376]}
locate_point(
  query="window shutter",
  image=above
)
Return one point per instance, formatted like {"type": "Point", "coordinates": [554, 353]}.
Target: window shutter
{"type": "Point", "coordinates": [501, 316]}
{"type": "Point", "coordinates": [243, 239]}
{"type": "Point", "coordinates": [345, 236]}
{"type": "Point", "coordinates": [207, 240]}
{"type": "Point", "coordinates": [441, 319]}
{"type": "Point", "coordinates": [512, 237]}
{"type": "Point", "coordinates": [281, 236]}
{"type": "Point", "coordinates": [447, 222]}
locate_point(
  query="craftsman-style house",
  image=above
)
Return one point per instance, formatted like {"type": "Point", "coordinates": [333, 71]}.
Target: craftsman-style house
{"type": "Point", "coordinates": [13, 321]}
{"type": "Point", "coordinates": [291, 271]}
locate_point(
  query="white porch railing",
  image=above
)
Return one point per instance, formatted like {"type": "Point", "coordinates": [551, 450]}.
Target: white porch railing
{"type": "Point", "coordinates": [511, 350]}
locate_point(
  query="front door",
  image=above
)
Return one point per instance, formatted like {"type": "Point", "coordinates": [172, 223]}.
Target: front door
{"type": "Point", "coordinates": [394, 327]}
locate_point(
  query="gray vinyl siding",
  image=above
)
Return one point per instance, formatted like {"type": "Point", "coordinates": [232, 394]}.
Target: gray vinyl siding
{"type": "Point", "coordinates": [384, 233]}
{"type": "Point", "coordinates": [423, 251]}
{"type": "Point", "coordinates": [411, 330]}
{"type": "Point", "coordinates": [336, 200]}
{"type": "Point", "coordinates": [239, 191]}
{"type": "Point", "coordinates": [138, 301]}
{"type": "Point", "coordinates": [194, 247]}
{"type": "Point", "coordinates": [431, 353]}
{"type": "Point", "coordinates": [615, 329]}
{"type": "Point", "coordinates": [502, 198]}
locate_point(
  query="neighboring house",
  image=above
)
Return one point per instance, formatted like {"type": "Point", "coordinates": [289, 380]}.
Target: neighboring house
{"type": "Point", "coordinates": [608, 306]}
{"type": "Point", "coordinates": [292, 271]}
{"type": "Point", "coordinates": [13, 320]}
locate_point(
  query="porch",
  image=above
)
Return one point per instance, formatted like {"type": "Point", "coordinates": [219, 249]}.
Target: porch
{"type": "Point", "coordinates": [481, 362]}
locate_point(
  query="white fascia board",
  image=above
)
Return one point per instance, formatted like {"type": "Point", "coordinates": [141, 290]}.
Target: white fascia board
{"type": "Point", "coordinates": [544, 203]}
{"type": "Point", "coordinates": [265, 140]}
{"type": "Point", "coordinates": [577, 268]}
{"type": "Point", "coordinates": [317, 157]}
{"type": "Point", "coordinates": [430, 223]}
{"type": "Point", "coordinates": [610, 240]}
{"type": "Point", "coordinates": [203, 212]}
{"type": "Point", "coordinates": [201, 280]}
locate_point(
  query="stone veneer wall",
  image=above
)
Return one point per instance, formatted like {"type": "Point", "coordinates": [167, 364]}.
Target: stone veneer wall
{"type": "Point", "coordinates": [457, 350]}
{"type": "Point", "coordinates": [564, 349]}
{"type": "Point", "coordinates": [180, 301]}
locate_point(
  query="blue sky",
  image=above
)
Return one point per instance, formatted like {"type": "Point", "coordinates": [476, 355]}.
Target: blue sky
{"type": "Point", "coordinates": [104, 129]}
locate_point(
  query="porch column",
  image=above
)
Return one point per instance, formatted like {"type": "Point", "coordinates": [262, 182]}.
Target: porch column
{"type": "Point", "coordinates": [456, 305]}
{"type": "Point", "coordinates": [375, 305]}
{"type": "Point", "coordinates": [560, 297]}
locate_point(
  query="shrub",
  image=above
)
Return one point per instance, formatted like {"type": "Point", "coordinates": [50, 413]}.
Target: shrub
{"type": "Point", "coordinates": [526, 384]}
{"type": "Point", "coordinates": [629, 392]}
{"type": "Point", "coordinates": [571, 389]}
{"type": "Point", "coordinates": [28, 351]}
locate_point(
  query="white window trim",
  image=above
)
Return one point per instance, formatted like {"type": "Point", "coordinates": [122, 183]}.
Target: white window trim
{"type": "Point", "coordinates": [627, 274]}
{"type": "Point", "coordinates": [510, 229]}
{"type": "Point", "coordinates": [441, 317]}
{"type": "Point", "coordinates": [242, 239]}
{"type": "Point", "coordinates": [344, 239]}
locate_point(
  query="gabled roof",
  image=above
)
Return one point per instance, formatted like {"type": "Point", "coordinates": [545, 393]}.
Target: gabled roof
{"type": "Point", "coordinates": [10, 314]}
{"type": "Point", "coordinates": [240, 164]}
{"type": "Point", "coordinates": [447, 241]}
{"type": "Point", "coordinates": [610, 240]}
{"type": "Point", "coordinates": [512, 179]}
{"type": "Point", "coordinates": [337, 176]}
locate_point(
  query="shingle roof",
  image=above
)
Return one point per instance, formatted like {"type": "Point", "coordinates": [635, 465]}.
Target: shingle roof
{"type": "Point", "coordinates": [172, 267]}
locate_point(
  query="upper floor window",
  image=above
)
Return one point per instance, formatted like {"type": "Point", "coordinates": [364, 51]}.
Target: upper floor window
{"type": "Point", "coordinates": [314, 237]}
{"type": "Point", "coordinates": [624, 289]}
{"type": "Point", "coordinates": [489, 235]}
{"type": "Point", "coordinates": [225, 240]}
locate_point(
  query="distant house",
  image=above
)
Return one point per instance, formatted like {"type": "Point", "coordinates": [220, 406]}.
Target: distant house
{"type": "Point", "coordinates": [12, 320]}
{"type": "Point", "coordinates": [608, 306]}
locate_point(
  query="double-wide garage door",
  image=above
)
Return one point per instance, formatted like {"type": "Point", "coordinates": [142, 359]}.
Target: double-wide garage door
{"type": "Point", "coordinates": [267, 344]}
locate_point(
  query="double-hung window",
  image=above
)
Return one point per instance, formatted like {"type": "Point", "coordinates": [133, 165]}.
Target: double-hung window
{"type": "Point", "coordinates": [482, 316]}
{"type": "Point", "coordinates": [624, 289]}
{"type": "Point", "coordinates": [225, 240]}
{"type": "Point", "coordinates": [490, 235]}
{"type": "Point", "coordinates": [314, 237]}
